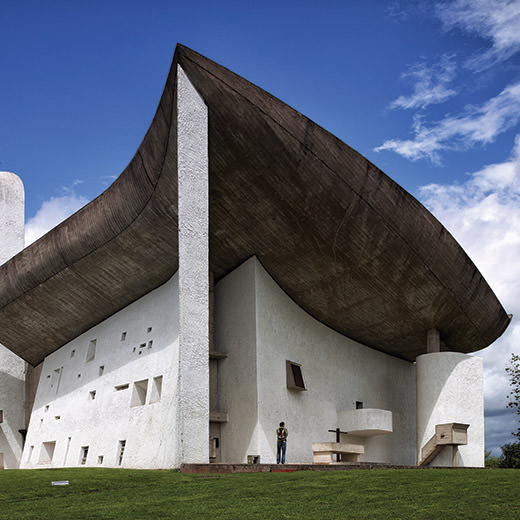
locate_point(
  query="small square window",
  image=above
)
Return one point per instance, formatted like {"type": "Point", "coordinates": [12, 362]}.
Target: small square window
{"type": "Point", "coordinates": [294, 376]}
{"type": "Point", "coordinates": [359, 405]}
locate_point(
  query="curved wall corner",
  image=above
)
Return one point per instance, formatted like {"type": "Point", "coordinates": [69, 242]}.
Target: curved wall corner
{"type": "Point", "coordinates": [450, 389]}
{"type": "Point", "coordinates": [12, 201]}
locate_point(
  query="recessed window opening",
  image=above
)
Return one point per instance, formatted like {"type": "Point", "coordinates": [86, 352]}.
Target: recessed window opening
{"type": "Point", "coordinates": [101, 370]}
{"type": "Point", "coordinates": [91, 352]}
{"type": "Point", "coordinates": [155, 395]}
{"type": "Point", "coordinates": [123, 335]}
{"type": "Point", "coordinates": [46, 407]}
{"type": "Point", "coordinates": [133, 350]}
{"type": "Point", "coordinates": [142, 345]}
{"type": "Point", "coordinates": [79, 375]}
{"type": "Point", "coordinates": [294, 376]}
{"type": "Point", "coordinates": [31, 450]}
{"type": "Point", "coordinates": [47, 452]}
{"type": "Point", "coordinates": [100, 459]}
{"type": "Point", "coordinates": [359, 405]}
{"type": "Point", "coordinates": [92, 395]}
{"type": "Point", "coordinates": [150, 343]}
{"type": "Point", "coordinates": [83, 455]}
{"type": "Point", "coordinates": [121, 452]}
{"type": "Point", "coordinates": [72, 353]}
{"type": "Point", "coordinates": [56, 378]}
{"type": "Point", "coordinates": [139, 393]}
{"type": "Point", "coordinates": [118, 388]}
{"type": "Point", "coordinates": [1, 416]}
{"type": "Point", "coordinates": [149, 329]}
{"type": "Point", "coordinates": [57, 417]}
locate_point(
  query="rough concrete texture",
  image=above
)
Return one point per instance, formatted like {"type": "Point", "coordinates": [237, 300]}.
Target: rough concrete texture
{"type": "Point", "coordinates": [124, 389]}
{"type": "Point", "coordinates": [260, 328]}
{"type": "Point", "coordinates": [193, 171]}
{"type": "Point", "coordinates": [12, 368]}
{"type": "Point", "coordinates": [345, 242]}
{"type": "Point", "coordinates": [450, 389]}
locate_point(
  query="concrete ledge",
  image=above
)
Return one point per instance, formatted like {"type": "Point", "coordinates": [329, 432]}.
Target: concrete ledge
{"type": "Point", "coordinates": [272, 468]}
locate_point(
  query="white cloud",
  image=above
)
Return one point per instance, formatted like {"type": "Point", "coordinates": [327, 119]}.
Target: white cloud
{"type": "Point", "coordinates": [495, 20]}
{"type": "Point", "coordinates": [483, 214]}
{"type": "Point", "coordinates": [477, 125]}
{"type": "Point", "coordinates": [51, 213]}
{"type": "Point", "coordinates": [430, 84]}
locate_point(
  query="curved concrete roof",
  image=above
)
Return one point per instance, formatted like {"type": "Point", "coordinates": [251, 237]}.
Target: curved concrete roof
{"type": "Point", "coordinates": [347, 243]}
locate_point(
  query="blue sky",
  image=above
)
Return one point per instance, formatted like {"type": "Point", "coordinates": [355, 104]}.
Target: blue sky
{"type": "Point", "coordinates": [428, 91]}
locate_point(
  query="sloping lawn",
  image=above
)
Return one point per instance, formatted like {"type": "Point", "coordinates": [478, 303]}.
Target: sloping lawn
{"type": "Point", "coordinates": [364, 494]}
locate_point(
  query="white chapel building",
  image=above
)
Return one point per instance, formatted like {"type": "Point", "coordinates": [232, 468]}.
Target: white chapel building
{"type": "Point", "coordinates": [246, 268]}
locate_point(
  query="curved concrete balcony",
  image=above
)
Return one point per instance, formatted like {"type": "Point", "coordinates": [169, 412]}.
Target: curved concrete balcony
{"type": "Point", "coordinates": [365, 422]}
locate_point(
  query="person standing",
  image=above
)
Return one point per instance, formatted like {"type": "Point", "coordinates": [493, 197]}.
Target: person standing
{"type": "Point", "coordinates": [281, 443]}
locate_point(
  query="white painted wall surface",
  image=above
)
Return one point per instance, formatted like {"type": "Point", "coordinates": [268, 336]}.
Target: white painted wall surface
{"type": "Point", "coordinates": [64, 408]}
{"type": "Point", "coordinates": [268, 330]}
{"type": "Point", "coordinates": [12, 368]}
{"type": "Point", "coordinates": [450, 388]}
{"type": "Point", "coordinates": [12, 207]}
{"type": "Point", "coordinates": [193, 193]}
{"type": "Point", "coordinates": [235, 334]}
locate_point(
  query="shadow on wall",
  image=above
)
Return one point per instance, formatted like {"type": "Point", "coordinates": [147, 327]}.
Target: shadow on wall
{"type": "Point", "coordinates": [98, 352]}
{"type": "Point", "coordinates": [10, 460]}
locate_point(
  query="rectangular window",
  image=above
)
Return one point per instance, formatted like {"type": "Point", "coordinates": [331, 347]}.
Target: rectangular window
{"type": "Point", "coordinates": [118, 388]}
{"type": "Point", "coordinates": [139, 393]}
{"type": "Point", "coordinates": [294, 376]}
{"type": "Point", "coordinates": [100, 459]}
{"type": "Point", "coordinates": [47, 452]}
{"type": "Point", "coordinates": [92, 395]}
{"type": "Point", "coordinates": [101, 370]}
{"type": "Point", "coordinates": [155, 395]}
{"type": "Point", "coordinates": [123, 336]}
{"type": "Point", "coordinates": [83, 456]}
{"type": "Point", "coordinates": [121, 452]}
{"type": "Point", "coordinates": [1, 416]}
{"type": "Point", "coordinates": [56, 378]}
{"type": "Point", "coordinates": [359, 405]}
{"type": "Point", "coordinates": [91, 352]}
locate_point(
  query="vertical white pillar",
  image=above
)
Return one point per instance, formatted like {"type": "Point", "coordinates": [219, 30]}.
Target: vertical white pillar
{"type": "Point", "coordinates": [12, 368]}
{"type": "Point", "coordinates": [193, 190]}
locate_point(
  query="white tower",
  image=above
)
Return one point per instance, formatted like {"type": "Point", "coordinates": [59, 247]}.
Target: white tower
{"type": "Point", "coordinates": [12, 368]}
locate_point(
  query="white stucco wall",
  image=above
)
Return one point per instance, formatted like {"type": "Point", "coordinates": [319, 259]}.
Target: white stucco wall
{"type": "Point", "coordinates": [12, 368]}
{"type": "Point", "coordinates": [268, 330]}
{"type": "Point", "coordinates": [193, 193]}
{"type": "Point", "coordinates": [12, 201]}
{"type": "Point", "coordinates": [138, 343]}
{"type": "Point", "coordinates": [450, 388]}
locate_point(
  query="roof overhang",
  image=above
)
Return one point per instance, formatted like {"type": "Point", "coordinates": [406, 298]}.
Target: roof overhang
{"type": "Point", "coordinates": [346, 243]}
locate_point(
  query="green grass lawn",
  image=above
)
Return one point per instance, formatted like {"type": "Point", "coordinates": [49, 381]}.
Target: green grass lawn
{"type": "Point", "coordinates": [364, 494]}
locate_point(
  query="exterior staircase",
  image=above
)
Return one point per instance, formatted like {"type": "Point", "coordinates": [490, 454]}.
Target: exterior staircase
{"type": "Point", "coordinates": [450, 434]}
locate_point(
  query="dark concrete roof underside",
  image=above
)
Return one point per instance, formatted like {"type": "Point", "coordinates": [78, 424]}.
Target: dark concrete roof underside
{"type": "Point", "coordinates": [343, 240]}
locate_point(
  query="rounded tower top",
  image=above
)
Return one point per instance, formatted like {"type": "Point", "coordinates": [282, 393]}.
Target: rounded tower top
{"type": "Point", "coordinates": [12, 209]}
